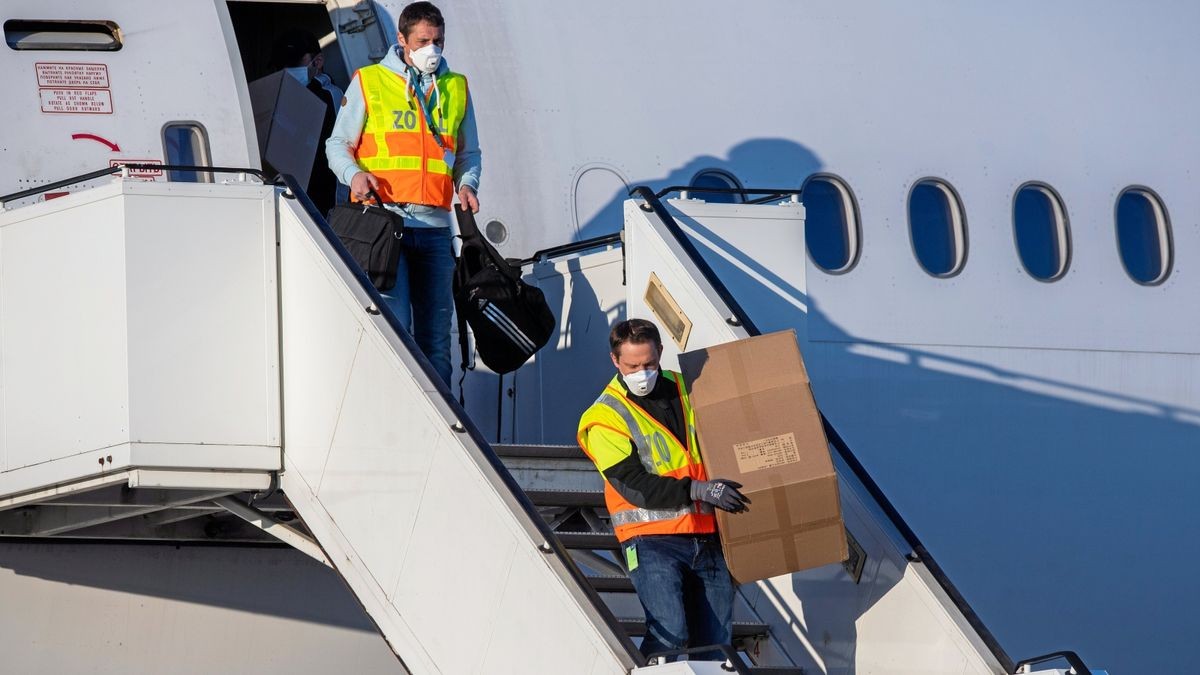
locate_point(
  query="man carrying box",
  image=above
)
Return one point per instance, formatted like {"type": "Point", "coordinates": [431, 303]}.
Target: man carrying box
{"type": "Point", "coordinates": [641, 435]}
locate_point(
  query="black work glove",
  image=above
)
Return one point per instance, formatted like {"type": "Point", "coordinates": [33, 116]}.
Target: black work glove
{"type": "Point", "coordinates": [721, 493]}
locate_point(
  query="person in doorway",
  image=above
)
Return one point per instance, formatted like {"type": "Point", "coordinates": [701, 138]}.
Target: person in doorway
{"type": "Point", "coordinates": [406, 131]}
{"type": "Point", "coordinates": [298, 52]}
{"type": "Point", "coordinates": [641, 435]}
{"type": "Point", "coordinates": [341, 192]}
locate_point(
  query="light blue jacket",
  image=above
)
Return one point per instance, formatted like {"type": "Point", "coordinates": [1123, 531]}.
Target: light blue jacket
{"type": "Point", "coordinates": [347, 131]}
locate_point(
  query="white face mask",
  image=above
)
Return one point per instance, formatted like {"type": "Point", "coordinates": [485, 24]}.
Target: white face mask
{"type": "Point", "coordinates": [641, 382]}
{"type": "Point", "coordinates": [300, 73]}
{"type": "Point", "coordinates": [427, 58]}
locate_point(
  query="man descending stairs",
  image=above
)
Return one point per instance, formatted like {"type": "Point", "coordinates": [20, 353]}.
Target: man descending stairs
{"type": "Point", "coordinates": [564, 485]}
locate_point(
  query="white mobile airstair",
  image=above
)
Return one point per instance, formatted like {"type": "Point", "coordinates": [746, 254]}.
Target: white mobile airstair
{"type": "Point", "coordinates": [202, 362]}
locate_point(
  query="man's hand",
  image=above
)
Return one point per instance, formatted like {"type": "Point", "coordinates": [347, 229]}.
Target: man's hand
{"type": "Point", "coordinates": [361, 185]}
{"type": "Point", "coordinates": [721, 493]}
{"type": "Point", "coordinates": [466, 197]}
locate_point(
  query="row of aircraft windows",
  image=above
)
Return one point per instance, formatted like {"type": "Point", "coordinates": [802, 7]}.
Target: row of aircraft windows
{"type": "Point", "coordinates": [938, 228]}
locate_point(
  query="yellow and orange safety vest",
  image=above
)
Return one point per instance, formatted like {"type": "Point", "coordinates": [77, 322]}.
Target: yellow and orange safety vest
{"type": "Point", "coordinates": [397, 145]}
{"type": "Point", "coordinates": [660, 453]}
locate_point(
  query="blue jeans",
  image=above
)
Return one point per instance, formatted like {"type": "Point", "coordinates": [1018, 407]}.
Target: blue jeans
{"type": "Point", "coordinates": [686, 590]}
{"type": "Point", "coordinates": [422, 297]}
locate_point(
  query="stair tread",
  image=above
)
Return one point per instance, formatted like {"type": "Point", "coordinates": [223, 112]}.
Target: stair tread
{"type": "Point", "coordinates": [589, 540]}
{"type": "Point", "coordinates": [610, 583]}
{"type": "Point", "coordinates": [741, 629]}
{"type": "Point", "coordinates": [515, 450]}
{"type": "Point", "coordinates": [566, 497]}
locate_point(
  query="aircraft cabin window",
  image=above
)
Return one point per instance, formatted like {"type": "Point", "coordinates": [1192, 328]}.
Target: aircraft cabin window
{"type": "Point", "coordinates": [937, 227]}
{"type": "Point", "coordinates": [1040, 230]}
{"type": "Point", "coordinates": [712, 178]}
{"type": "Point", "coordinates": [1143, 236]}
{"type": "Point", "coordinates": [831, 225]}
{"type": "Point", "coordinates": [55, 35]}
{"type": "Point", "coordinates": [186, 143]}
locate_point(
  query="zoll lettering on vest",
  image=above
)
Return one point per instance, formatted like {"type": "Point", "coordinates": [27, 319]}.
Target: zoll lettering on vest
{"type": "Point", "coordinates": [413, 165]}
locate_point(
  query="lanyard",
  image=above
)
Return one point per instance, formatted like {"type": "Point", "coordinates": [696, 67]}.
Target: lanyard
{"type": "Point", "coordinates": [426, 103]}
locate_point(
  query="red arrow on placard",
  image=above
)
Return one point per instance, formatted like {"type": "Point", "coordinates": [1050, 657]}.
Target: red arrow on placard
{"type": "Point", "coordinates": [112, 146]}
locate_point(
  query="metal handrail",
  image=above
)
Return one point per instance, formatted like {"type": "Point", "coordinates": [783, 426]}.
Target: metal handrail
{"type": "Point", "coordinates": [742, 318]}
{"type": "Point", "coordinates": [1077, 665]}
{"type": "Point", "coordinates": [739, 315]}
{"type": "Point", "coordinates": [573, 247]}
{"type": "Point", "coordinates": [118, 168]}
{"type": "Point", "coordinates": [771, 193]}
{"type": "Point", "coordinates": [509, 483]}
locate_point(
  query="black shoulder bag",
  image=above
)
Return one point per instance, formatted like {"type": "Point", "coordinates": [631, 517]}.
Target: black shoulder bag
{"type": "Point", "coordinates": [509, 318]}
{"type": "Point", "coordinates": [372, 234]}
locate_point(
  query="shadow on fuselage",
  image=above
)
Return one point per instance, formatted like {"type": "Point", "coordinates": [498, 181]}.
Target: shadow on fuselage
{"type": "Point", "coordinates": [1057, 509]}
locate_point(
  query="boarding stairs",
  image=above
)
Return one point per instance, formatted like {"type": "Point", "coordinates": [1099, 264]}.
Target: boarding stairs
{"type": "Point", "coordinates": [251, 385]}
{"type": "Point", "coordinates": [568, 492]}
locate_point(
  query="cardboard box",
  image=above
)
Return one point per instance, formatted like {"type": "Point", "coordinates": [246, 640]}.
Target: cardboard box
{"type": "Point", "coordinates": [288, 118]}
{"type": "Point", "coordinates": [758, 425]}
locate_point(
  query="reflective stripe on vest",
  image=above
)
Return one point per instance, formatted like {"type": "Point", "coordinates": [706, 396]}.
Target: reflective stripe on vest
{"type": "Point", "coordinates": [660, 453]}
{"type": "Point", "coordinates": [396, 144]}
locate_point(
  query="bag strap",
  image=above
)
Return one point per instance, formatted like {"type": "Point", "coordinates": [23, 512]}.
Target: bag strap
{"type": "Point", "coordinates": [472, 238]}
{"type": "Point", "coordinates": [466, 222]}
{"type": "Point", "coordinates": [466, 356]}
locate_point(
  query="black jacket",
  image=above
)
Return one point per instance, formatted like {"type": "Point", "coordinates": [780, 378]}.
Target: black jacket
{"type": "Point", "coordinates": [628, 477]}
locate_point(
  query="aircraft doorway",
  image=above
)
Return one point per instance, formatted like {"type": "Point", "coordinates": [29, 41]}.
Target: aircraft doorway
{"type": "Point", "coordinates": [258, 25]}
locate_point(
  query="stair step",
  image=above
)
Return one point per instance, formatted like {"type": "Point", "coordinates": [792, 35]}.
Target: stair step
{"type": "Point", "coordinates": [591, 541]}
{"type": "Point", "coordinates": [507, 450]}
{"type": "Point", "coordinates": [611, 584]}
{"type": "Point", "coordinates": [566, 497]}
{"type": "Point", "coordinates": [741, 629]}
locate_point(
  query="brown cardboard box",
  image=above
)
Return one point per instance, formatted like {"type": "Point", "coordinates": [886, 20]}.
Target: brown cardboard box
{"type": "Point", "coordinates": [288, 118]}
{"type": "Point", "coordinates": [758, 425]}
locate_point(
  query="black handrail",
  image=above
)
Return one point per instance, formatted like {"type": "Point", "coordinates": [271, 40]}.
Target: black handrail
{"type": "Point", "coordinates": [510, 483]}
{"type": "Point", "coordinates": [1071, 658]}
{"type": "Point", "coordinates": [781, 192]}
{"type": "Point", "coordinates": [573, 247]}
{"type": "Point", "coordinates": [919, 552]}
{"type": "Point", "coordinates": [117, 168]}
{"type": "Point", "coordinates": [740, 316]}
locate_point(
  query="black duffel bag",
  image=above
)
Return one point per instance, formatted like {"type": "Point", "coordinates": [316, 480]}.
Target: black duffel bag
{"type": "Point", "coordinates": [372, 235]}
{"type": "Point", "coordinates": [509, 318]}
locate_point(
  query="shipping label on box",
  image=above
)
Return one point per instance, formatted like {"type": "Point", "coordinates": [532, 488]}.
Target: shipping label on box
{"type": "Point", "coordinates": [758, 425]}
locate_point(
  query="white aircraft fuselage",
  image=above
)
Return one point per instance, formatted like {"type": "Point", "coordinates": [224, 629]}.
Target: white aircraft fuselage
{"type": "Point", "coordinates": [1040, 436]}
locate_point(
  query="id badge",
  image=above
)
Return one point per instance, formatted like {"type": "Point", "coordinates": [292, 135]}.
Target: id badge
{"type": "Point", "coordinates": [631, 560]}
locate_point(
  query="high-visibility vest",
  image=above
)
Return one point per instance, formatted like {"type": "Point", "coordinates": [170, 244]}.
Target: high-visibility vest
{"type": "Point", "coordinates": [660, 453]}
{"type": "Point", "coordinates": [396, 144]}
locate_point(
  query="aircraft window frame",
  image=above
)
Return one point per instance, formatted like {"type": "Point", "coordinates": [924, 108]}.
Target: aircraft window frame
{"type": "Point", "coordinates": [1166, 244]}
{"type": "Point", "coordinates": [70, 35]}
{"type": "Point", "coordinates": [205, 153]}
{"type": "Point", "coordinates": [851, 222]}
{"type": "Point", "coordinates": [958, 225]}
{"type": "Point", "coordinates": [1062, 226]}
{"type": "Point", "coordinates": [731, 181]}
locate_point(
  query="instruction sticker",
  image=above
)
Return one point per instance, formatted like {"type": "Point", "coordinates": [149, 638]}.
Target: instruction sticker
{"type": "Point", "coordinates": [766, 453]}
{"type": "Point", "coordinates": [72, 75]}
{"type": "Point", "coordinates": [139, 173]}
{"type": "Point", "coordinates": [77, 101]}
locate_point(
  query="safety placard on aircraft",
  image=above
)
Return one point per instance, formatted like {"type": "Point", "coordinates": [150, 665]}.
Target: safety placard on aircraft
{"type": "Point", "coordinates": [78, 101]}
{"type": "Point", "coordinates": [72, 75]}
{"type": "Point", "coordinates": [74, 88]}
